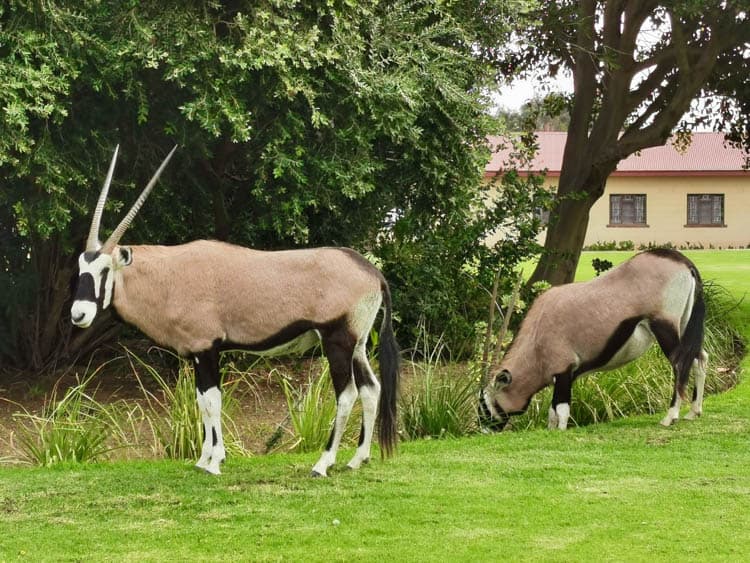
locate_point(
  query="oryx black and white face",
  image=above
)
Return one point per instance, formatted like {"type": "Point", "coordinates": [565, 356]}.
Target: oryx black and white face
{"type": "Point", "coordinates": [494, 411]}
{"type": "Point", "coordinates": [96, 281]}
{"type": "Point", "coordinates": [98, 264]}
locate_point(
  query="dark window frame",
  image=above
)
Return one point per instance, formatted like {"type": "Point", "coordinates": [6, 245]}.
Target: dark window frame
{"type": "Point", "coordinates": [703, 206]}
{"type": "Point", "coordinates": [619, 218]}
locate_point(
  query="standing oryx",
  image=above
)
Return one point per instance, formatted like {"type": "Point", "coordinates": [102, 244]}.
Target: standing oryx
{"type": "Point", "coordinates": [204, 297]}
{"type": "Point", "coordinates": [603, 324]}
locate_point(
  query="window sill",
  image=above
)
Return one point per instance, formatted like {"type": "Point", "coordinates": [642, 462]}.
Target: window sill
{"type": "Point", "coordinates": [628, 226]}
{"type": "Point", "coordinates": [707, 226]}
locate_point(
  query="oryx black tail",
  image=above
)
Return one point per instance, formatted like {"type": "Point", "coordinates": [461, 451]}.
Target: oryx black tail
{"type": "Point", "coordinates": [389, 360]}
{"type": "Point", "coordinates": [691, 341]}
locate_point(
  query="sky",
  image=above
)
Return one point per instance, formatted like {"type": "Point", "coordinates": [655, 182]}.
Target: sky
{"type": "Point", "coordinates": [520, 91]}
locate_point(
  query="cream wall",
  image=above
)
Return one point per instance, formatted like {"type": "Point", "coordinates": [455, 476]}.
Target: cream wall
{"type": "Point", "coordinates": [666, 211]}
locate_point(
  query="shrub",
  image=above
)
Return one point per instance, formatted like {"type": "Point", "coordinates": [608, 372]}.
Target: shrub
{"type": "Point", "coordinates": [74, 429]}
{"type": "Point", "coordinates": [312, 410]}
{"type": "Point", "coordinates": [441, 268]}
{"type": "Point", "coordinates": [439, 403]}
{"type": "Point", "coordinates": [611, 245]}
{"type": "Point", "coordinates": [601, 266]}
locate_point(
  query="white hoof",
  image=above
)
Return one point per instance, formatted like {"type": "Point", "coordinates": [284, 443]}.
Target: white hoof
{"type": "Point", "coordinates": [563, 415]}
{"type": "Point", "coordinates": [666, 421]}
{"type": "Point", "coordinates": [212, 468]}
{"type": "Point", "coordinates": [326, 460]}
{"type": "Point", "coordinates": [357, 462]}
{"type": "Point", "coordinates": [552, 420]}
{"type": "Point", "coordinates": [692, 415]}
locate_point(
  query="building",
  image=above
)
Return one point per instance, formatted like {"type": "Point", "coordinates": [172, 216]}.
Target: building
{"type": "Point", "coordinates": [698, 198]}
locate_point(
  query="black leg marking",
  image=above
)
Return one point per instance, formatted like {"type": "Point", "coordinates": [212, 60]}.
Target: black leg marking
{"type": "Point", "coordinates": [667, 336]}
{"type": "Point", "coordinates": [339, 349]}
{"type": "Point", "coordinates": [673, 402]}
{"type": "Point", "coordinates": [207, 370]}
{"type": "Point", "coordinates": [563, 389]}
{"type": "Point", "coordinates": [669, 341]}
{"type": "Point", "coordinates": [361, 373]}
{"type": "Point", "coordinates": [329, 444]}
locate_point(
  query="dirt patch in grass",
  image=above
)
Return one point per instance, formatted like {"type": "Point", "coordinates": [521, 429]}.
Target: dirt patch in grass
{"type": "Point", "coordinates": [260, 409]}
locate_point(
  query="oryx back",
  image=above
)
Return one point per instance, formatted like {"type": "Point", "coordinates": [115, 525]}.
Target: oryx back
{"type": "Point", "coordinates": [193, 295]}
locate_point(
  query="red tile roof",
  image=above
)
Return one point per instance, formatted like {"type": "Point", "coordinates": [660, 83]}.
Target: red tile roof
{"type": "Point", "coordinates": [707, 155]}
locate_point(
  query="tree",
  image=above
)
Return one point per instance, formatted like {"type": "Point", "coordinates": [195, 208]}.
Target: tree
{"type": "Point", "coordinates": [637, 66]}
{"type": "Point", "coordinates": [300, 123]}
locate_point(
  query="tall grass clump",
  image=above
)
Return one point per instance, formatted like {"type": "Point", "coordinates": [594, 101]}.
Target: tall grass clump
{"type": "Point", "coordinates": [173, 417]}
{"type": "Point", "coordinates": [76, 428]}
{"type": "Point", "coordinates": [645, 386]}
{"type": "Point", "coordinates": [312, 409]}
{"type": "Point", "coordinates": [439, 402]}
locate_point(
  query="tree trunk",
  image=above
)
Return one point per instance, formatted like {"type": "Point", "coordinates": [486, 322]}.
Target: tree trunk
{"type": "Point", "coordinates": [563, 243]}
{"type": "Point", "coordinates": [44, 337]}
{"type": "Point", "coordinates": [566, 233]}
{"type": "Point", "coordinates": [214, 171]}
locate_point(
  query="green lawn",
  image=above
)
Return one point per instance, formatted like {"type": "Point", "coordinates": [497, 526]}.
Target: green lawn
{"type": "Point", "coordinates": [624, 491]}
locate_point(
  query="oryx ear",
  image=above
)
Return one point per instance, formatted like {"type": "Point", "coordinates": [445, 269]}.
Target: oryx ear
{"type": "Point", "coordinates": [123, 256]}
{"type": "Point", "coordinates": [502, 379]}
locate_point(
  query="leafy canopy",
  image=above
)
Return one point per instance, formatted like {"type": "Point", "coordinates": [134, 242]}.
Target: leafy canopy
{"type": "Point", "coordinates": [300, 122]}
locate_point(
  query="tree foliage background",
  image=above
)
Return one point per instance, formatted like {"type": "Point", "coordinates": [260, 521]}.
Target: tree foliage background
{"type": "Point", "coordinates": [300, 123]}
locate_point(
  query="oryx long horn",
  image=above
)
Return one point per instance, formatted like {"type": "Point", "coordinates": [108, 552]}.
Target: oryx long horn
{"type": "Point", "coordinates": [93, 241]}
{"type": "Point", "coordinates": [125, 223]}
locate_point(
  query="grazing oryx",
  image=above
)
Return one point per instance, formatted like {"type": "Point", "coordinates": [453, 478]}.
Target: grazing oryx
{"type": "Point", "coordinates": [206, 296]}
{"type": "Point", "coordinates": [600, 325]}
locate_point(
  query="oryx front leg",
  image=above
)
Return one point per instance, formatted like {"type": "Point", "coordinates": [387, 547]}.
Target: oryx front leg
{"type": "Point", "coordinates": [552, 419]}
{"type": "Point", "coordinates": [208, 395]}
{"type": "Point", "coordinates": [212, 451]}
{"type": "Point", "coordinates": [559, 411]}
{"type": "Point", "coordinates": [699, 374]}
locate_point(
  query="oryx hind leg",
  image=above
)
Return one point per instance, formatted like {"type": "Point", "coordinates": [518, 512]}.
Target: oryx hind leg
{"type": "Point", "coordinates": [667, 335]}
{"type": "Point", "coordinates": [339, 349]}
{"type": "Point", "coordinates": [699, 374]}
{"type": "Point", "coordinates": [369, 393]}
{"type": "Point", "coordinates": [673, 413]}
{"type": "Point", "coordinates": [208, 395]}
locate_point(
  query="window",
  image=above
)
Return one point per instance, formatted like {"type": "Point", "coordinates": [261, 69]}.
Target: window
{"type": "Point", "coordinates": [705, 210]}
{"type": "Point", "coordinates": [627, 210]}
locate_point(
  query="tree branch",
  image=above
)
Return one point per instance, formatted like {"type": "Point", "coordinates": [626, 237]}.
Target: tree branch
{"type": "Point", "coordinates": [584, 84]}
